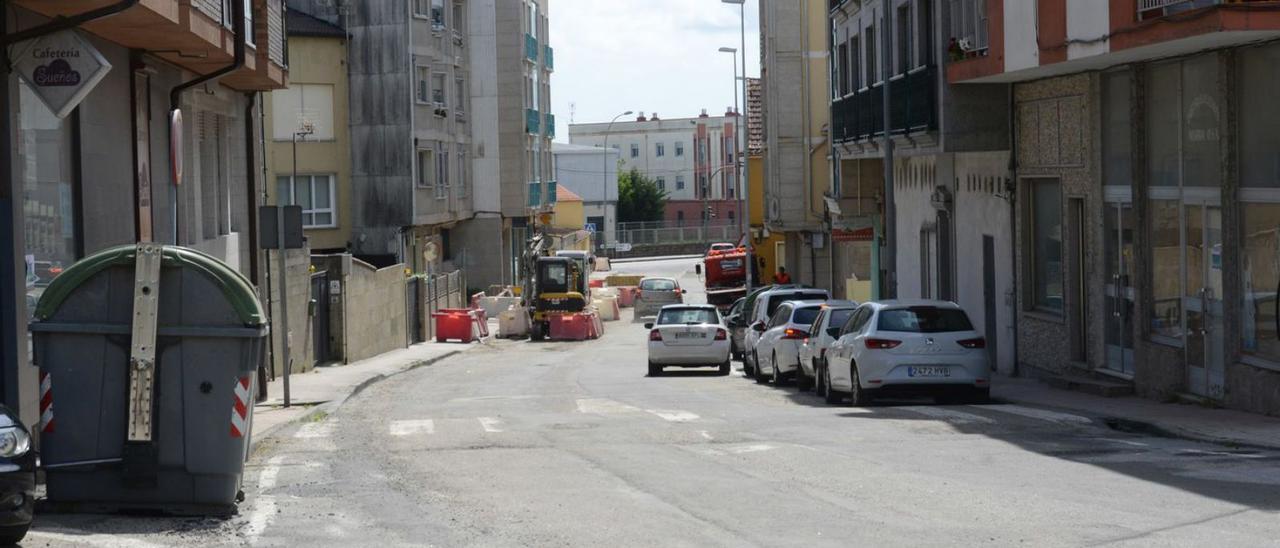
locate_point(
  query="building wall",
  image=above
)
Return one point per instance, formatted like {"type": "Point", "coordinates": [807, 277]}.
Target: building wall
{"type": "Point", "coordinates": [317, 61]}
{"type": "Point", "coordinates": [374, 310]}
{"type": "Point", "coordinates": [983, 207]}
{"type": "Point", "coordinates": [591, 174]}
{"type": "Point", "coordinates": [569, 214]}
{"type": "Point", "coordinates": [647, 135]}
{"type": "Point", "coordinates": [299, 334]}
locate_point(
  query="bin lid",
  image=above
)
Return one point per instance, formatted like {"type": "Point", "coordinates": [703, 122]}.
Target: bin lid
{"type": "Point", "coordinates": [235, 287]}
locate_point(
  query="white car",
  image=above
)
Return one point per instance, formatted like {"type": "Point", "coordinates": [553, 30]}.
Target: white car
{"type": "Point", "coordinates": [825, 329]}
{"type": "Point", "coordinates": [777, 352]}
{"type": "Point", "coordinates": [910, 348]}
{"type": "Point", "coordinates": [762, 308]}
{"type": "Point", "coordinates": [688, 335]}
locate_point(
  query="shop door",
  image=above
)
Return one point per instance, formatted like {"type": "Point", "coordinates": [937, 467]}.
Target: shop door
{"type": "Point", "coordinates": [1118, 233]}
{"type": "Point", "coordinates": [1202, 299]}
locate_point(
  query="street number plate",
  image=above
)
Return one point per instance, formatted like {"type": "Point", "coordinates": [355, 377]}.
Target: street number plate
{"type": "Point", "coordinates": [928, 371]}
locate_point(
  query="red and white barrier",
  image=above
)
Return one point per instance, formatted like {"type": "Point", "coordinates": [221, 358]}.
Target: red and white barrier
{"type": "Point", "coordinates": [46, 402]}
{"type": "Point", "coordinates": [240, 411]}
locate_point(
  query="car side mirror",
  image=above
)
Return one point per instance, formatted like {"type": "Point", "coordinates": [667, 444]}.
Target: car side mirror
{"type": "Point", "coordinates": [834, 332]}
{"type": "Point", "coordinates": [648, 325]}
{"type": "Point", "coordinates": [758, 327]}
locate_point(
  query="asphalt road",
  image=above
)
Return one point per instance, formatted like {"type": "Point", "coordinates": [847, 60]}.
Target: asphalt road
{"type": "Point", "coordinates": [570, 444]}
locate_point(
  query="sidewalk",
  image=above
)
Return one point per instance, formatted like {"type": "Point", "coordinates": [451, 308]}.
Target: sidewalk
{"type": "Point", "coordinates": [326, 388]}
{"type": "Point", "coordinates": [1220, 426]}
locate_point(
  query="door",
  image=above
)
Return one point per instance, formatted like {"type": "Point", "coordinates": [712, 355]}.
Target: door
{"type": "Point", "coordinates": [989, 300]}
{"type": "Point", "coordinates": [320, 318]}
{"type": "Point", "coordinates": [1118, 230]}
{"type": "Point", "coordinates": [413, 294]}
{"type": "Point", "coordinates": [1202, 299]}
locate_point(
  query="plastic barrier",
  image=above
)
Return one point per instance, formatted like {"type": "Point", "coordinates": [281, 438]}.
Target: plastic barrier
{"type": "Point", "coordinates": [571, 327]}
{"type": "Point", "coordinates": [603, 264]}
{"type": "Point", "coordinates": [627, 296]}
{"type": "Point", "coordinates": [607, 307]}
{"type": "Point", "coordinates": [597, 327]}
{"type": "Point", "coordinates": [596, 283]}
{"type": "Point", "coordinates": [455, 324]}
{"type": "Point", "coordinates": [605, 292]}
{"type": "Point", "coordinates": [621, 280]}
{"type": "Point", "coordinates": [513, 322]}
{"type": "Point", "coordinates": [494, 306]}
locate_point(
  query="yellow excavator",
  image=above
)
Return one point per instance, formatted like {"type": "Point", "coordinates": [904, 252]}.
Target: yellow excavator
{"type": "Point", "coordinates": [551, 286]}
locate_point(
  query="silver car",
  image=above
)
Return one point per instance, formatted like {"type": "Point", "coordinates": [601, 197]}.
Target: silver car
{"type": "Point", "coordinates": [656, 293]}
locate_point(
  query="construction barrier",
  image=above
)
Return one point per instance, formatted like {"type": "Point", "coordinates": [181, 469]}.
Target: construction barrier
{"type": "Point", "coordinates": [607, 307]}
{"type": "Point", "coordinates": [605, 292]}
{"type": "Point", "coordinates": [603, 264]}
{"type": "Point", "coordinates": [619, 280]}
{"type": "Point", "coordinates": [461, 324]}
{"type": "Point", "coordinates": [627, 296]}
{"type": "Point", "coordinates": [597, 327]}
{"type": "Point", "coordinates": [513, 322]}
{"type": "Point", "coordinates": [571, 327]}
{"type": "Point", "coordinates": [495, 306]}
{"type": "Point", "coordinates": [596, 283]}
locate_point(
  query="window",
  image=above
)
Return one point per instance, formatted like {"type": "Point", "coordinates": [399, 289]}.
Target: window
{"type": "Point", "coordinates": [45, 179]}
{"type": "Point", "coordinates": [1166, 269]}
{"type": "Point", "coordinates": [728, 150]}
{"type": "Point", "coordinates": [780, 316]}
{"type": "Point", "coordinates": [459, 17]}
{"type": "Point", "coordinates": [1117, 161]}
{"type": "Point", "coordinates": [460, 95]}
{"type": "Point", "coordinates": [659, 150]}
{"type": "Point", "coordinates": [300, 105]}
{"type": "Point", "coordinates": [731, 216]}
{"type": "Point", "coordinates": [657, 284]}
{"type": "Point", "coordinates": [685, 316]}
{"type": "Point", "coordinates": [437, 14]}
{"type": "Point", "coordinates": [1260, 241]}
{"type": "Point", "coordinates": [423, 94]}
{"type": "Point", "coordinates": [679, 182]}
{"type": "Point", "coordinates": [462, 171]}
{"type": "Point", "coordinates": [924, 32]}
{"type": "Point", "coordinates": [662, 183]}
{"type": "Point", "coordinates": [426, 168]}
{"type": "Point", "coordinates": [904, 39]}
{"type": "Point", "coordinates": [680, 217]}
{"type": "Point", "coordinates": [855, 322]}
{"type": "Point", "coordinates": [855, 64]}
{"type": "Point", "coordinates": [805, 316]}
{"type": "Point", "coordinates": [679, 148]}
{"type": "Point", "coordinates": [1046, 245]}
{"type": "Point", "coordinates": [841, 76]}
{"type": "Point", "coordinates": [442, 171]}
{"type": "Point", "coordinates": [729, 186]}
{"type": "Point", "coordinates": [870, 61]}
{"type": "Point", "coordinates": [635, 150]}
{"type": "Point", "coordinates": [969, 24]}
{"type": "Point", "coordinates": [422, 8]}
{"type": "Point", "coordinates": [1259, 134]}
{"type": "Point", "coordinates": [924, 319]}
{"type": "Point", "coordinates": [248, 22]}
{"type": "Point", "coordinates": [315, 193]}
{"type": "Point", "coordinates": [702, 186]}
{"type": "Point", "coordinates": [438, 95]}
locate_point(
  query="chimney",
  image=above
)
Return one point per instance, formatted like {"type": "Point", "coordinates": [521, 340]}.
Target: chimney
{"type": "Point", "coordinates": [704, 114]}
{"type": "Point", "coordinates": [653, 117]}
{"type": "Point", "coordinates": [641, 118]}
{"type": "Point", "coordinates": [729, 112]}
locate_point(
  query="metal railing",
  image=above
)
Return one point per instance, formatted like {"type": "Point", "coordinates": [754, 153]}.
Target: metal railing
{"type": "Point", "coordinates": [652, 225]}
{"type": "Point", "coordinates": [914, 107]}
{"type": "Point", "coordinates": [1148, 9]}
{"type": "Point", "coordinates": [681, 235]}
{"type": "Point", "coordinates": [438, 292]}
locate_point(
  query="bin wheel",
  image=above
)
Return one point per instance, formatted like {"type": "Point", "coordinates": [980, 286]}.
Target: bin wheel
{"type": "Point", "coordinates": [239, 496]}
{"type": "Point", "coordinates": [13, 534]}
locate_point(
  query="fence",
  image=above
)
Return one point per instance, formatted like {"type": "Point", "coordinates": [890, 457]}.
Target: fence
{"type": "Point", "coordinates": [655, 225]}
{"type": "Point", "coordinates": [437, 292]}
{"type": "Point", "coordinates": [681, 235]}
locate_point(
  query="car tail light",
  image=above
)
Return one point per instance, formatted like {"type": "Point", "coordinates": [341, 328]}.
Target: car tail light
{"type": "Point", "coordinates": [721, 334]}
{"type": "Point", "coordinates": [655, 335]}
{"type": "Point", "coordinates": [973, 343]}
{"type": "Point", "coordinates": [794, 334]}
{"type": "Point", "coordinates": [882, 344]}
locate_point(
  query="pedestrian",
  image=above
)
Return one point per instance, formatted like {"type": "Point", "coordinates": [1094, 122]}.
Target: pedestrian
{"type": "Point", "coordinates": [781, 278]}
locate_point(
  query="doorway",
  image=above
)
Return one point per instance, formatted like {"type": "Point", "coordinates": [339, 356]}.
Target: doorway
{"type": "Point", "coordinates": [1202, 298]}
{"type": "Point", "coordinates": [1118, 232]}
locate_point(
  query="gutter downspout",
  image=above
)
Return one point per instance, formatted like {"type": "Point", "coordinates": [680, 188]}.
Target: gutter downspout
{"type": "Point", "coordinates": [1013, 227]}
{"type": "Point", "coordinates": [175, 94]}
{"type": "Point", "coordinates": [808, 156]}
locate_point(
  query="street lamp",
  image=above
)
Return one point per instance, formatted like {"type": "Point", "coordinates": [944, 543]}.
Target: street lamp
{"type": "Point", "coordinates": [305, 129]}
{"type": "Point", "coordinates": [737, 152]}
{"type": "Point", "coordinates": [746, 196]}
{"type": "Point", "coordinates": [604, 176]}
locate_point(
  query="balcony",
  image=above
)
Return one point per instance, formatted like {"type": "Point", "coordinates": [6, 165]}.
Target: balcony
{"type": "Point", "coordinates": [549, 130]}
{"type": "Point", "coordinates": [532, 121]}
{"type": "Point", "coordinates": [553, 193]}
{"type": "Point", "coordinates": [549, 58]}
{"type": "Point", "coordinates": [535, 195]}
{"type": "Point", "coordinates": [530, 48]}
{"type": "Point", "coordinates": [914, 108]}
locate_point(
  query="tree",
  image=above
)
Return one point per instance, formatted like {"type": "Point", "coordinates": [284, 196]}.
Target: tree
{"type": "Point", "coordinates": [639, 198]}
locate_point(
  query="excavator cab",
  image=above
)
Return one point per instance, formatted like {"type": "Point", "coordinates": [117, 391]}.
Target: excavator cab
{"type": "Point", "coordinates": [555, 287]}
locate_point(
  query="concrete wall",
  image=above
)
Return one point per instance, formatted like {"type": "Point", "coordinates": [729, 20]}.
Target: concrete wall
{"type": "Point", "coordinates": [1020, 48]}
{"type": "Point", "coordinates": [374, 310]}
{"type": "Point", "coordinates": [298, 336]}
{"type": "Point", "coordinates": [983, 208]}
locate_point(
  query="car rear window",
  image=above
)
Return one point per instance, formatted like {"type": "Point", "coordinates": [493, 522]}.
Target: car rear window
{"type": "Point", "coordinates": [839, 317]}
{"type": "Point", "coordinates": [924, 319]}
{"type": "Point", "coordinates": [687, 315]}
{"type": "Point", "coordinates": [777, 299]}
{"type": "Point", "coordinates": [657, 285]}
{"type": "Point", "coordinates": [805, 316]}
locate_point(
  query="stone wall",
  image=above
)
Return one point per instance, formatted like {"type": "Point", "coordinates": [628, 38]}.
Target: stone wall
{"type": "Point", "coordinates": [298, 336]}
{"type": "Point", "coordinates": [374, 310]}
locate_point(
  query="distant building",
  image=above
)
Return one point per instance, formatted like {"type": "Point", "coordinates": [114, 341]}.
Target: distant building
{"type": "Point", "coordinates": [592, 174]}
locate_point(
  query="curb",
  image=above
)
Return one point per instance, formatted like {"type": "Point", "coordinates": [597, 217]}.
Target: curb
{"type": "Point", "coordinates": [333, 405]}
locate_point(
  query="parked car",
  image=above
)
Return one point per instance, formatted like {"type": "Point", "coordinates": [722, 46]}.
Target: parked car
{"type": "Point", "coordinates": [17, 478]}
{"type": "Point", "coordinates": [907, 347]}
{"type": "Point", "coordinates": [762, 308]}
{"type": "Point", "coordinates": [688, 335]}
{"type": "Point", "coordinates": [721, 246]}
{"type": "Point", "coordinates": [737, 327]}
{"type": "Point", "coordinates": [777, 353]}
{"type": "Point", "coordinates": [822, 333]}
{"type": "Point", "coordinates": [656, 293]}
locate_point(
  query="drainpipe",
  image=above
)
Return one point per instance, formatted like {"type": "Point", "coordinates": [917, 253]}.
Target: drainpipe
{"type": "Point", "coordinates": [1013, 227]}
{"type": "Point", "coordinates": [251, 182]}
{"type": "Point", "coordinates": [175, 94]}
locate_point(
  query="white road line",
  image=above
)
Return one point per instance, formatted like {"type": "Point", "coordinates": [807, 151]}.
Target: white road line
{"type": "Point", "coordinates": [490, 424]}
{"type": "Point", "coordinates": [316, 430]}
{"type": "Point", "coordinates": [264, 508]}
{"type": "Point", "coordinates": [674, 415]}
{"type": "Point", "coordinates": [949, 415]}
{"type": "Point", "coordinates": [753, 448]}
{"type": "Point", "coordinates": [410, 427]}
{"type": "Point", "coordinates": [602, 406]}
{"type": "Point", "coordinates": [1041, 414]}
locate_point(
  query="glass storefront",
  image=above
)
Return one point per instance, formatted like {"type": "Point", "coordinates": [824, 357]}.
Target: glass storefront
{"type": "Point", "coordinates": [44, 172]}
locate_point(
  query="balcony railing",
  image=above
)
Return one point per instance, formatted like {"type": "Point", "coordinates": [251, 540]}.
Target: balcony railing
{"type": "Point", "coordinates": [550, 128]}
{"type": "Point", "coordinates": [532, 121]}
{"type": "Point", "coordinates": [531, 47]}
{"type": "Point", "coordinates": [553, 192]}
{"type": "Point", "coordinates": [535, 195]}
{"type": "Point", "coordinates": [549, 58]}
{"type": "Point", "coordinates": [914, 108]}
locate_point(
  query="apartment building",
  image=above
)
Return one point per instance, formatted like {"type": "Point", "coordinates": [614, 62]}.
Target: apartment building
{"type": "Point", "coordinates": [592, 174]}
{"type": "Point", "coordinates": [795, 79]}
{"type": "Point", "coordinates": [512, 61]}
{"type": "Point", "coordinates": [690, 158]}
{"type": "Point", "coordinates": [951, 203]}
{"type": "Point", "coordinates": [1146, 190]}
{"type": "Point", "coordinates": [118, 166]}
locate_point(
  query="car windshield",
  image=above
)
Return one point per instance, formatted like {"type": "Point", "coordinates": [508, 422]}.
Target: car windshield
{"type": "Point", "coordinates": [687, 316]}
{"type": "Point", "coordinates": [805, 316]}
{"type": "Point", "coordinates": [555, 277]}
{"type": "Point", "coordinates": [777, 299]}
{"type": "Point", "coordinates": [658, 285]}
{"type": "Point", "coordinates": [924, 319]}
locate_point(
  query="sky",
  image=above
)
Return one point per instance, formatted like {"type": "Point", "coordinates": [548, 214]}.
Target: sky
{"type": "Point", "coordinates": [645, 56]}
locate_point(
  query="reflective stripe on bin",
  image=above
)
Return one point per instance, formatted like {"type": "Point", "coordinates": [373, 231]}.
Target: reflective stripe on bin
{"type": "Point", "coordinates": [240, 411]}
{"type": "Point", "coordinates": [46, 402]}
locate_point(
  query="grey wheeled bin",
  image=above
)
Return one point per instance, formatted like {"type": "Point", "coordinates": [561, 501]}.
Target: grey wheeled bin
{"type": "Point", "coordinates": [147, 355]}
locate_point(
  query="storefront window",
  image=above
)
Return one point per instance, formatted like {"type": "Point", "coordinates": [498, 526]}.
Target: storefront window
{"type": "Point", "coordinates": [44, 171]}
{"type": "Point", "coordinates": [1260, 177]}
{"type": "Point", "coordinates": [1259, 135]}
{"type": "Point", "coordinates": [1261, 277]}
{"type": "Point", "coordinates": [1162, 124]}
{"type": "Point", "coordinates": [1116, 124]}
{"type": "Point", "coordinates": [1201, 108]}
{"type": "Point", "coordinates": [1166, 269]}
{"type": "Point", "coordinates": [1046, 239]}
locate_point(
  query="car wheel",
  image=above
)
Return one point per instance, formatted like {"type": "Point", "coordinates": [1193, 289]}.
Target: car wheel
{"type": "Point", "coordinates": [726, 367]}
{"type": "Point", "coordinates": [777, 371]}
{"type": "Point", "coordinates": [759, 374]}
{"type": "Point", "coordinates": [804, 382]}
{"type": "Point", "coordinates": [819, 375]}
{"type": "Point", "coordinates": [980, 396]}
{"type": "Point", "coordinates": [829, 394]}
{"type": "Point", "coordinates": [12, 535]}
{"type": "Point", "coordinates": [858, 396]}
{"type": "Point", "coordinates": [655, 370]}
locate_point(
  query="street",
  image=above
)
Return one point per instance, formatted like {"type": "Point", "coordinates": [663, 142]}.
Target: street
{"type": "Point", "coordinates": [570, 444]}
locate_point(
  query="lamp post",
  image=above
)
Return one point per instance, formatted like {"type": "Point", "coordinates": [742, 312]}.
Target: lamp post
{"type": "Point", "coordinates": [737, 152]}
{"type": "Point", "coordinates": [302, 133]}
{"type": "Point", "coordinates": [746, 195]}
{"type": "Point", "coordinates": [604, 176]}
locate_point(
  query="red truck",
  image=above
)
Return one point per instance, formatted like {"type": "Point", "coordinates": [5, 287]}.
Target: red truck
{"type": "Point", "coordinates": [726, 275]}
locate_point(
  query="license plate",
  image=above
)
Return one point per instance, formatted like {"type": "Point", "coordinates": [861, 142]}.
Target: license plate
{"type": "Point", "coordinates": [691, 335]}
{"type": "Point", "coordinates": [928, 371]}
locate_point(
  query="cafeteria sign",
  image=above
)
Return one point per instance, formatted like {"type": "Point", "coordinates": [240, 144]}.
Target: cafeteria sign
{"type": "Point", "coordinates": [61, 68]}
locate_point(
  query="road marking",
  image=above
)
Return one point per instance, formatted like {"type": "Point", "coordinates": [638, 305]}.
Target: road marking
{"type": "Point", "coordinates": [264, 508]}
{"type": "Point", "coordinates": [949, 415]}
{"type": "Point", "coordinates": [490, 424]}
{"type": "Point", "coordinates": [753, 448]}
{"type": "Point", "coordinates": [1041, 414]}
{"type": "Point", "coordinates": [602, 406]}
{"type": "Point", "coordinates": [410, 427]}
{"type": "Point", "coordinates": [674, 415]}
{"type": "Point", "coordinates": [1126, 442]}
{"type": "Point", "coordinates": [315, 430]}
